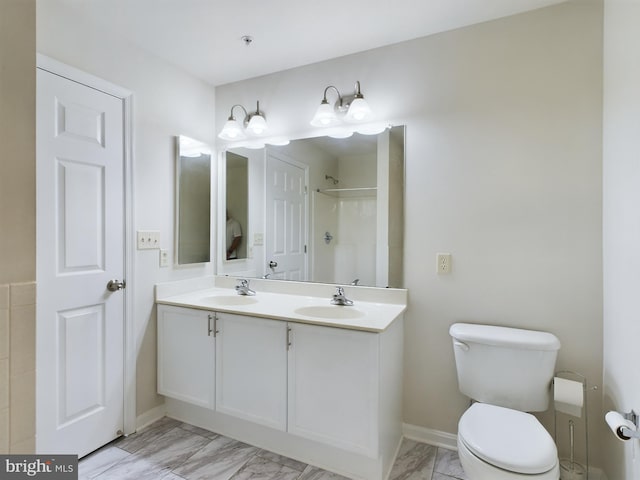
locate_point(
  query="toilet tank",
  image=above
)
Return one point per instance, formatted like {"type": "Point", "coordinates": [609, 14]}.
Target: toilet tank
{"type": "Point", "coordinates": [509, 367]}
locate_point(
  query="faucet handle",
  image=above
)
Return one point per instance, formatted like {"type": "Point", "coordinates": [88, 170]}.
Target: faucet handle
{"type": "Point", "coordinates": [340, 291]}
{"type": "Point", "coordinates": [243, 282]}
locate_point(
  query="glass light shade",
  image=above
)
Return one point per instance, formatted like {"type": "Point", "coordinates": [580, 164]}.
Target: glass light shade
{"type": "Point", "coordinates": [232, 130]}
{"type": "Point", "coordinates": [257, 125]}
{"type": "Point", "coordinates": [359, 111]}
{"type": "Point", "coordinates": [339, 132]}
{"type": "Point", "coordinates": [371, 128]}
{"type": "Point", "coordinates": [325, 116]}
{"type": "Point", "coordinates": [278, 141]}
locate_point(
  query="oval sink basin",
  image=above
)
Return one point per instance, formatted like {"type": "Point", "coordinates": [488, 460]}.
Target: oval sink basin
{"type": "Point", "coordinates": [230, 300]}
{"type": "Point", "coordinates": [329, 311]}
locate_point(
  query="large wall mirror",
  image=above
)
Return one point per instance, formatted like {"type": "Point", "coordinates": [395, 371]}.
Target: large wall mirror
{"type": "Point", "coordinates": [193, 201]}
{"type": "Point", "coordinates": [318, 209]}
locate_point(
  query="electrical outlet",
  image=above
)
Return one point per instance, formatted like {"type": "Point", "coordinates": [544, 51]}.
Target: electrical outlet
{"type": "Point", "coordinates": [443, 263]}
{"type": "Point", "coordinates": [148, 240]}
{"type": "Point", "coordinates": [164, 258]}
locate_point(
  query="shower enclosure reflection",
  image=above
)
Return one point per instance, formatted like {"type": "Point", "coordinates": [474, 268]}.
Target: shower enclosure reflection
{"type": "Point", "coordinates": [324, 210]}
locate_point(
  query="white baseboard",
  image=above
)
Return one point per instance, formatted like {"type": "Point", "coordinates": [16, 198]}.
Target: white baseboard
{"type": "Point", "coordinates": [436, 438]}
{"type": "Point", "coordinates": [150, 416]}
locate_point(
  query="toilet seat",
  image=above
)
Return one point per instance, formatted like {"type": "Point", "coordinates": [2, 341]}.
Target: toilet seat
{"type": "Point", "coordinates": [508, 439]}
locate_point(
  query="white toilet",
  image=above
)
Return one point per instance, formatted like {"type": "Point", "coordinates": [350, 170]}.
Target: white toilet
{"type": "Point", "coordinates": [508, 371]}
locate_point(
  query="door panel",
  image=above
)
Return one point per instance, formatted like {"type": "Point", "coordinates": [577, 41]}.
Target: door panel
{"type": "Point", "coordinates": [286, 218]}
{"type": "Point", "coordinates": [80, 247]}
{"type": "Point", "coordinates": [251, 369]}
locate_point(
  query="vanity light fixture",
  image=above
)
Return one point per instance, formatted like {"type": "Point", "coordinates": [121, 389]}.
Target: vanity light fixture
{"type": "Point", "coordinates": [254, 124]}
{"type": "Point", "coordinates": [348, 108]}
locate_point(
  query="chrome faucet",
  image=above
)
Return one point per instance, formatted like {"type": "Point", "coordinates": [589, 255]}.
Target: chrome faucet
{"type": "Point", "coordinates": [242, 288]}
{"type": "Point", "coordinates": [340, 299]}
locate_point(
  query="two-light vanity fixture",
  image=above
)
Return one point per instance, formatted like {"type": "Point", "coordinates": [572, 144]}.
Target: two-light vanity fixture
{"type": "Point", "coordinates": [253, 124]}
{"type": "Point", "coordinates": [348, 114]}
{"type": "Point", "coordinates": [351, 109]}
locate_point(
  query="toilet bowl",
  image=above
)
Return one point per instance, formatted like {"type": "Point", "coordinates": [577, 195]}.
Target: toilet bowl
{"type": "Point", "coordinates": [498, 443]}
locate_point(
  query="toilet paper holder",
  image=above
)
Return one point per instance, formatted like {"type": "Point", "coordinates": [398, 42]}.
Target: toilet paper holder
{"type": "Point", "coordinates": [626, 433]}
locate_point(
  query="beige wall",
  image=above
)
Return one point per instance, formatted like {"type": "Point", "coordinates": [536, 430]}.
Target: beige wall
{"type": "Point", "coordinates": [17, 226]}
{"type": "Point", "coordinates": [503, 170]}
{"type": "Point", "coordinates": [621, 227]}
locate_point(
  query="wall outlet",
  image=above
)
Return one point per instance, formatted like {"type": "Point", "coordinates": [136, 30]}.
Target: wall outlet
{"type": "Point", "coordinates": [443, 263]}
{"type": "Point", "coordinates": [148, 240]}
{"type": "Point", "coordinates": [164, 258]}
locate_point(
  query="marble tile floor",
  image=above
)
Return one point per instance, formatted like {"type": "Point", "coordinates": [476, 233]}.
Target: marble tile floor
{"type": "Point", "coordinates": [172, 450]}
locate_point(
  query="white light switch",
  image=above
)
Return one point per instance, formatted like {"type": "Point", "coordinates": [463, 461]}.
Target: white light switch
{"type": "Point", "coordinates": [148, 240]}
{"type": "Point", "coordinates": [258, 239]}
{"type": "Point", "coordinates": [443, 263]}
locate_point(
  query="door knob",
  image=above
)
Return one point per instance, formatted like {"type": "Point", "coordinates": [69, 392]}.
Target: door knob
{"type": "Point", "coordinates": [115, 285]}
{"type": "Point", "coordinates": [273, 264]}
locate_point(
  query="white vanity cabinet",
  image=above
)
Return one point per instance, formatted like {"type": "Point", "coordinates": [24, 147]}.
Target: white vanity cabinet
{"type": "Point", "coordinates": [333, 387]}
{"type": "Point", "coordinates": [251, 369]}
{"type": "Point", "coordinates": [186, 355]}
{"type": "Point", "coordinates": [323, 394]}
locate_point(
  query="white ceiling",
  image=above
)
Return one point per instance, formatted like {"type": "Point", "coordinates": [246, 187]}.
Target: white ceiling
{"type": "Point", "coordinates": [203, 37]}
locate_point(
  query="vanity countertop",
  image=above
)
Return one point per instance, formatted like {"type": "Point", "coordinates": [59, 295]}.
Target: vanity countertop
{"type": "Point", "coordinates": [368, 315]}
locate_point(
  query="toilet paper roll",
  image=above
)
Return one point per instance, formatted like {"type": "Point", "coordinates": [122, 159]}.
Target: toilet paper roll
{"type": "Point", "coordinates": [616, 421]}
{"type": "Point", "coordinates": [568, 396]}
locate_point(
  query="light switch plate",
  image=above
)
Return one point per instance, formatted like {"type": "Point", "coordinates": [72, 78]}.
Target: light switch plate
{"type": "Point", "coordinates": [258, 239]}
{"type": "Point", "coordinates": [148, 239]}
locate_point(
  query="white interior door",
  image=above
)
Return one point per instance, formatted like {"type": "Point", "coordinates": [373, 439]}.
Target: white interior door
{"type": "Point", "coordinates": [80, 248]}
{"type": "Point", "coordinates": [286, 219]}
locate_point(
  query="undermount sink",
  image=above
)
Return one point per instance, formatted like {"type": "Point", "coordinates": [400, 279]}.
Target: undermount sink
{"type": "Point", "coordinates": [230, 300]}
{"type": "Point", "coordinates": [329, 311]}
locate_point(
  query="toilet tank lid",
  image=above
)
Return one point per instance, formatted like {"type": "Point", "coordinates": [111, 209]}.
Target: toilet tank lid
{"type": "Point", "coordinates": [504, 336]}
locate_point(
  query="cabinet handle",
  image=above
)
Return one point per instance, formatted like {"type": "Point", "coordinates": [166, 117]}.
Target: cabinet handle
{"type": "Point", "coordinates": [215, 325]}
{"type": "Point", "coordinates": [288, 338]}
{"type": "Point", "coordinates": [209, 330]}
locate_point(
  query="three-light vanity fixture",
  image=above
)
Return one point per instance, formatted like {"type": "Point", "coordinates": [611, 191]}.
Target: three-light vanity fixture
{"type": "Point", "coordinates": [253, 124]}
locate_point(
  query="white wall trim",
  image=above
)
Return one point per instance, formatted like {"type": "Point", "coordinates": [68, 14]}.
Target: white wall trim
{"type": "Point", "coordinates": [71, 73]}
{"type": "Point", "coordinates": [150, 416]}
{"type": "Point", "coordinates": [432, 437]}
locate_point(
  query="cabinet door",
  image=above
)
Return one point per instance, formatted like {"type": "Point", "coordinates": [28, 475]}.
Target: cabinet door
{"type": "Point", "coordinates": [251, 369]}
{"type": "Point", "coordinates": [186, 355]}
{"type": "Point", "coordinates": [333, 387]}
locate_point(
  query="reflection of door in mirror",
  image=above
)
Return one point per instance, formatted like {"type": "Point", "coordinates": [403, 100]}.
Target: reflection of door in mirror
{"type": "Point", "coordinates": [193, 204]}
{"type": "Point", "coordinates": [286, 218]}
{"type": "Point", "coordinates": [237, 199]}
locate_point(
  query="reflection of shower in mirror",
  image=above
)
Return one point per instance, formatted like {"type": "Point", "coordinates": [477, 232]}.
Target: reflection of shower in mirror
{"type": "Point", "coordinates": [334, 180]}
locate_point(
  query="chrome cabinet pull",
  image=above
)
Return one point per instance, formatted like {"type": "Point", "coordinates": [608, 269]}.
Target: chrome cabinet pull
{"type": "Point", "coordinates": [209, 330]}
{"type": "Point", "coordinates": [215, 325]}
{"type": "Point", "coordinates": [288, 338]}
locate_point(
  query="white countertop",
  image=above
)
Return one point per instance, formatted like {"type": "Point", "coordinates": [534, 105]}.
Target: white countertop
{"type": "Point", "coordinates": [367, 315]}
